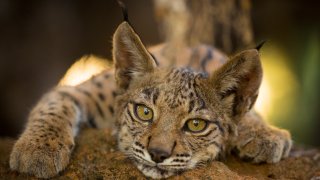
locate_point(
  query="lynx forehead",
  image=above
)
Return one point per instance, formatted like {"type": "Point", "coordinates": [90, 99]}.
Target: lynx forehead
{"type": "Point", "coordinates": [183, 84]}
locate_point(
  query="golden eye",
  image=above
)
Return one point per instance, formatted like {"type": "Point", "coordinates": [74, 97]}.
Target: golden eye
{"type": "Point", "coordinates": [143, 112]}
{"type": "Point", "coordinates": [196, 125]}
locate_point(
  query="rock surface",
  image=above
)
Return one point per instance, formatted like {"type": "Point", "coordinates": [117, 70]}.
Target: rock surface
{"type": "Point", "coordinates": [95, 157]}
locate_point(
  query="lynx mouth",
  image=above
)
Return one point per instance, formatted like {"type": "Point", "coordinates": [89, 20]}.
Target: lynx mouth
{"type": "Point", "coordinates": [158, 170]}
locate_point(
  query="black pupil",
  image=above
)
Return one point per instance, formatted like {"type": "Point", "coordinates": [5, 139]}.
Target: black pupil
{"type": "Point", "coordinates": [195, 122]}
{"type": "Point", "coordinates": [146, 111]}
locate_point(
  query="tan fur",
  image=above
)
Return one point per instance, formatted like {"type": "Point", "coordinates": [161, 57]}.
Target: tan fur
{"type": "Point", "coordinates": [211, 88]}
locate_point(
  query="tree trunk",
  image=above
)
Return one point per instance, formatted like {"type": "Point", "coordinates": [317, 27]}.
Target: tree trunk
{"type": "Point", "coordinates": [226, 24]}
{"type": "Point", "coordinates": [232, 27]}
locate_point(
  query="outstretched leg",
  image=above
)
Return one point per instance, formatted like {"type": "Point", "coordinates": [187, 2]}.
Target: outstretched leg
{"type": "Point", "coordinates": [44, 148]}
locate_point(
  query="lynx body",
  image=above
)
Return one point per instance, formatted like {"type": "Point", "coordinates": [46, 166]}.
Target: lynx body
{"type": "Point", "coordinates": [168, 119]}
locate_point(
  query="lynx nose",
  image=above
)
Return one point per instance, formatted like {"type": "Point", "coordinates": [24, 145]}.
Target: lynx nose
{"type": "Point", "coordinates": [158, 155]}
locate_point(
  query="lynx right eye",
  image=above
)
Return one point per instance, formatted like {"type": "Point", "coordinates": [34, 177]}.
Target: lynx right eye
{"type": "Point", "coordinates": [196, 125]}
{"type": "Point", "coordinates": [143, 112]}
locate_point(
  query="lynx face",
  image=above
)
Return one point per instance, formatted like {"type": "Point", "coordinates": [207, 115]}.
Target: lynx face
{"type": "Point", "coordinates": [171, 120]}
{"type": "Point", "coordinates": [167, 125]}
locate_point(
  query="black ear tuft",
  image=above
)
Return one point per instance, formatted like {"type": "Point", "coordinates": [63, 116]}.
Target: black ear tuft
{"type": "Point", "coordinates": [259, 46]}
{"type": "Point", "coordinates": [124, 10]}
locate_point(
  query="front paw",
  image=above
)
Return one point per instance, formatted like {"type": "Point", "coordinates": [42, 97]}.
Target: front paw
{"type": "Point", "coordinates": [266, 145]}
{"type": "Point", "coordinates": [43, 158]}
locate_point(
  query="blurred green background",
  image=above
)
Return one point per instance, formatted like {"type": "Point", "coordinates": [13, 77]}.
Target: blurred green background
{"type": "Point", "coordinates": [291, 60]}
{"type": "Point", "coordinates": [40, 39]}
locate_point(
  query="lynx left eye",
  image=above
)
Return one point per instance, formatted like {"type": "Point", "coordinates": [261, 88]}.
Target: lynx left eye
{"type": "Point", "coordinates": [196, 125]}
{"type": "Point", "coordinates": [143, 112]}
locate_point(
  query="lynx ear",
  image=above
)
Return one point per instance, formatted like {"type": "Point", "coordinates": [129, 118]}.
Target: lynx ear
{"type": "Point", "coordinates": [130, 57]}
{"type": "Point", "coordinates": [238, 82]}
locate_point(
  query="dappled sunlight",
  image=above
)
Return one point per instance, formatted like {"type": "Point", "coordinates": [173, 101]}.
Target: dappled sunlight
{"type": "Point", "coordinates": [83, 69]}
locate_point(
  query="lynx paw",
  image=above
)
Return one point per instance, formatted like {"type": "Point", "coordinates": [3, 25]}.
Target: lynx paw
{"type": "Point", "coordinates": [263, 146]}
{"type": "Point", "coordinates": [43, 159]}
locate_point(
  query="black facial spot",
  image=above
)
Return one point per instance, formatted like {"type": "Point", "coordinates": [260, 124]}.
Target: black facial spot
{"type": "Point", "coordinates": [179, 160]}
{"type": "Point", "coordinates": [139, 144]}
{"type": "Point", "coordinates": [138, 151]}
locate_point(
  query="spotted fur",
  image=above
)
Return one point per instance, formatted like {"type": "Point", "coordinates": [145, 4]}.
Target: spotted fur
{"type": "Point", "coordinates": [203, 84]}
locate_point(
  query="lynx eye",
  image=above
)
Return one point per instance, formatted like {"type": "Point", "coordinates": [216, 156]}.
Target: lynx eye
{"type": "Point", "coordinates": [143, 112]}
{"type": "Point", "coordinates": [196, 125]}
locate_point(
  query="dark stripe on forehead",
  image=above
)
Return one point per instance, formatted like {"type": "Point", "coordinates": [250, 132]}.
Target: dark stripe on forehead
{"type": "Point", "coordinates": [202, 104]}
{"type": "Point", "coordinates": [199, 104]}
{"type": "Point", "coordinates": [196, 105]}
{"type": "Point", "coordinates": [191, 106]}
{"type": "Point", "coordinates": [155, 96]}
{"type": "Point", "coordinates": [151, 93]}
{"type": "Point", "coordinates": [148, 92]}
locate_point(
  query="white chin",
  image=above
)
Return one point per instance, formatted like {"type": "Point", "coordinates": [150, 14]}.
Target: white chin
{"type": "Point", "coordinates": [154, 172]}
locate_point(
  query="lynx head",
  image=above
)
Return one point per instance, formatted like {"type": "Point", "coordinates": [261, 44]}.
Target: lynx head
{"type": "Point", "coordinates": [171, 120]}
